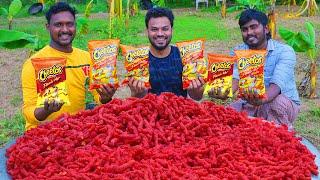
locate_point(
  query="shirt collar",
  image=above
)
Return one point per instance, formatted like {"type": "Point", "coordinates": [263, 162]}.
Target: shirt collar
{"type": "Point", "coordinates": [270, 46]}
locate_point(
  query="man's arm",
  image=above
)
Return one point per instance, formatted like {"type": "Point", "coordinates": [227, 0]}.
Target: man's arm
{"type": "Point", "coordinates": [282, 74]}
{"type": "Point", "coordinates": [137, 88]}
{"type": "Point", "coordinates": [272, 92]}
{"type": "Point", "coordinates": [235, 85]}
{"type": "Point", "coordinates": [32, 114]}
{"type": "Point", "coordinates": [196, 89]}
{"type": "Point", "coordinates": [29, 92]}
{"type": "Point", "coordinates": [284, 69]}
{"type": "Point", "coordinates": [106, 93]}
{"type": "Point", "coordinates": [42, 113]}
{"type": "Point", "coordinates": [253, 98]}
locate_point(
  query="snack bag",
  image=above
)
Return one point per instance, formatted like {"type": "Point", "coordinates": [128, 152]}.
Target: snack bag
{"type": "Point", "coordinates": [251, 71]}
{"type": "Point", "coordinates": [104, 58]}
{"type": "Point", "coordinates": [136, 62]}
{"type": "Point", "coordinates": [194, 64]}
{"type": "Point", "coordinates": [220, 70]}
{"type": "Point", "coordinates": [50, 78]}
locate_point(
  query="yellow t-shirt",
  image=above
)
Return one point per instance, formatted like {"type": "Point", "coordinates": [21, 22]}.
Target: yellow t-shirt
{"type": "Point", "coordinates": [77, 72]}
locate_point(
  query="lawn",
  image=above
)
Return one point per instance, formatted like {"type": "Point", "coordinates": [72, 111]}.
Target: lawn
{"type": "Point", "coordinates": [220, 34]}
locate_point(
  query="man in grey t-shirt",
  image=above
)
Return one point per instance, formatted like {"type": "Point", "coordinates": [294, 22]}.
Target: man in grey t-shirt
{"type": "Point", "coordinates": [281, 104]}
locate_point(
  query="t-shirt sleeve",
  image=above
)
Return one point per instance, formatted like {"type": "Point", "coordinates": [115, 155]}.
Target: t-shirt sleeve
{"type": "Point", "coordinates": [29, 92]}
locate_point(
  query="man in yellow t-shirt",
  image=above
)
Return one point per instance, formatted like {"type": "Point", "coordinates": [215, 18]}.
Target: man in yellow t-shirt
{"type": "Point", "coordinates": [62, 29]}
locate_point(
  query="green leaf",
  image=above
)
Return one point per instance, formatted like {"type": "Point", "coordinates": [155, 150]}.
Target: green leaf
{"type": "Point", "coordinates": [3, 12]}
{"type": "Point", "coordinates": [15, 39]}
{"type": "Point", "coordinates": [82, 25]}
{"type": "Point", "coordinates": [312, 33]}
{"type": "Point", "coordinates": [38, 44]}
{"type": "Point", "coordinates": [286, 34]}
{"type": "Point", "coordinates": [81, 21]}
{"type": "Point", "coordinates": [88, 9]}
{"type": "Point", "coordinates": [15, 7]}
{"type": "Point", "coordinates": [300, 42]}
{"type": "Point", "coordinates": [234, 9]}
{"type": "Point", "coordinates": [312, 53]}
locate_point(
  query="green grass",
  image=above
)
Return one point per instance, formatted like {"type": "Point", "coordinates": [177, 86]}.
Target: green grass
{"type": "Point", "coordinates": [2, 111]}
{"type": "Point", "coordinates": [185, 28]}
{"type": "Point", "coordinates": [191, 27]}
{"type": "Point", "coordinates": [307, 124]}
{"type": "Point", "coordinates": [16, 100]}
{"type": "Point", "coordinates": [11, 128]}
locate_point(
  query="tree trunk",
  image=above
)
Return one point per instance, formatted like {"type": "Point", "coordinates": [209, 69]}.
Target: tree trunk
{"type": "Point", "coordinates": [118, 8]}
{"type": "Point", "coordinates": [224, 9]}
{"type": "Point", "coordinates": [128, 13]}
{"type": "Point", "coordinates": [313, 80]}
{"type": "Point", "coordinates": [312, 8]}
{"type": "Point", "coordinates": [134, 9]}
{"type": "Point", "coordinates": [272, 21]}
{"type": "Point", "coordinates": [10, 24]}
{"type": "Point", "coordinates": [291, 3]}
{"type": "Point", "coordinates": [111, 14]}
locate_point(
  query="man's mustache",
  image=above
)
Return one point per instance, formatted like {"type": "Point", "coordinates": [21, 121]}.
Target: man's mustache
{"type": "Point", "coordinates": [161, 36]}
{"type": "Point", "coordinates": [60, 34]}
{"type": "Point", "coordinates": [251, 37]}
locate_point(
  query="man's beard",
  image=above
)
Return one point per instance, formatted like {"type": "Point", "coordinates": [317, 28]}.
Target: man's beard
{"type": "Point", "coordinates": [259, 41]}
{"type": "Point", "coordinates": [160, 48]}
{"type": "Point", "coordinates": [65, 44]}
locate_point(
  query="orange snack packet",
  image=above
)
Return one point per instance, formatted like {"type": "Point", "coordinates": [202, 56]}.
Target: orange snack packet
{"type": "Point", "coordinates": [50, 79]}
{"type": "Point", "coordinates": [104, 58]}
{"type": "Point", "coordinates": [251, 71]}
{"type": "Point", "coordinates": [220, 70]}
{"type": "Point", "coordinates": [136, 62]}
{"type": "Point", "coordinates": [194, 64]}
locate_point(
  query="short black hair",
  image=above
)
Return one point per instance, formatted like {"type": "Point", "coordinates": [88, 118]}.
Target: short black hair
{"type": "Point", "coordinates": [159, 12]}
{"type": "Point", "coordinates": [253, 14]}
{"type": "Point", "coordinates": [60, 7]}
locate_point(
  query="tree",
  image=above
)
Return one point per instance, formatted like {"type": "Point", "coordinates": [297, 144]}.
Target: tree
{"type": "Point", "coordinates": [272, 18]}
{"type": "Point", "coordinates": [224, 9]}
{"type": "Point", "coordinates": [13, 10]}
{"type": "Point", "coordinates": [309, 6]}
{"type": "Point", "coordinates": [82, 22]}
{"type": "Point", "coordinates": [304, 42]}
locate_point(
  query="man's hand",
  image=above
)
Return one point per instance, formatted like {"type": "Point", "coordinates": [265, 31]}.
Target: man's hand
{"type": "Point", "coordinates": [252, 97]}
{"type": "Point", "coordinates": [216, 93]}
{"type": "Point", "coordinates": [196, 89]}
{"type": "Point", "coordinates": [137, 88]}
{"type": "Point", "coordinates": [106, 93]}
{"type": "Point", "coordinates": [48, 108]}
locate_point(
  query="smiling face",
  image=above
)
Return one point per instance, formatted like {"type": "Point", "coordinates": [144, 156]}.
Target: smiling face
{"type": "Point", "coordinates": [254, 34]}
{"type": "Point", "coordinates": [159, 32]}
{"type": "Point", "coordinates": [62, 30]}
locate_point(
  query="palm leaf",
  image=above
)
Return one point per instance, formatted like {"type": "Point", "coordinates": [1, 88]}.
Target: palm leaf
{"type": "Point", "coordinates": [3, 12]}
{"type": "Point", "coordinates": [14, 7]}
{"type": "Point", "coordinates": [286, 34]}
{"type": "Point", "coordinates": [312, 34]}
{"type": "Point", "coordinates": [15, 39]}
